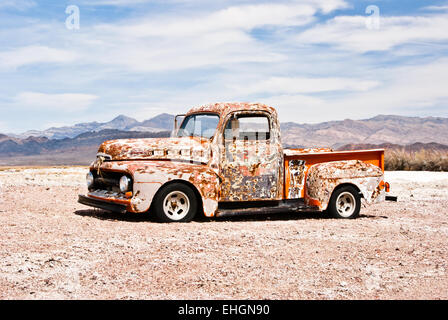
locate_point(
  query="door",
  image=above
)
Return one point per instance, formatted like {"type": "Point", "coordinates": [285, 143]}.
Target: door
{"type": "Point", "coordinates": [250, 158]}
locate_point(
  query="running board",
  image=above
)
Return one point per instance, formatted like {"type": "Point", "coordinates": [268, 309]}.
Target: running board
{"type": "Point", "coordinates": [227, 209]}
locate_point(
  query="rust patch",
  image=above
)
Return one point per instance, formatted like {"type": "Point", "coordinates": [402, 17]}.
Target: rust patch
{"type": "Point", "coordinates": [193, 149]}
{"type": "Point", "coordinates": [323, 178]}
{"type": "Point", "coordinates": [149, 176]}
{"type": "Point", "coordinates": [296, 152]}
{"type": "Point", "coordinates": [252, 169]}
{"type": "Point", "coordinates": [297, 171]}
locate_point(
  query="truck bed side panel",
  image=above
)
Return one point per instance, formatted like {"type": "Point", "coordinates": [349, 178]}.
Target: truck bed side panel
{"type": "Point", "coordinates": [297, 164]}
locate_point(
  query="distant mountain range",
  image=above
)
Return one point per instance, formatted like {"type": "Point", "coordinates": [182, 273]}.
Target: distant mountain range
{"type": "Point", "coordinates": [397, 147]}
{"type": "Point", "coordinates": [80, 150]}
{"type": "Point", "coordinates": [378, 130]}
{"type": "Point", "coordinates": [162, 122]}
{"type": "Point", "coordinates": [37, 145]}
{"type": "Point", "coordinates": [78, 144]}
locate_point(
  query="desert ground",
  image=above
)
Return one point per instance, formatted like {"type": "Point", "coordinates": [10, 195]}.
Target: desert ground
{"type": "Point", "coordinates": [54, 248]}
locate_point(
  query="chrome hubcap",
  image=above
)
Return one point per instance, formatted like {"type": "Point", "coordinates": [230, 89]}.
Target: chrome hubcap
{"type": "Point", "coordinates": [346, 204]}
{"type": "Point", "coordinates": [176, 205]}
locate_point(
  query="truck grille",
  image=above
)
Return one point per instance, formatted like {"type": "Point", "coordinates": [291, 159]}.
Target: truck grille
{"type": "Point", "coordinates": [108, 180]}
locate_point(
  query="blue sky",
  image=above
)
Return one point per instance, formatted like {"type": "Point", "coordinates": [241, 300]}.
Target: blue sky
{"type": "Point", "coordinates": [314, 60]}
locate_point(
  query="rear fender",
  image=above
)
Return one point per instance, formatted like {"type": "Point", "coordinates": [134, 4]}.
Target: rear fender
{"type": "Point", "coordinates": [323, 178]}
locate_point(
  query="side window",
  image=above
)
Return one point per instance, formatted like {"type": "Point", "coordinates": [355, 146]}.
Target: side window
{"type": "Point", "coordinates": [247, 128]}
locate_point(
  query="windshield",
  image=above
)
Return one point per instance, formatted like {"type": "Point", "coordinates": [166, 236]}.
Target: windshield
{"type": "Point", "coordinates": [199, 125]}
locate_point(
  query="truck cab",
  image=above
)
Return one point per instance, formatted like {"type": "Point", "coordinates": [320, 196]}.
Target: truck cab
{"type": "Point", "coordinates": [227, 159]}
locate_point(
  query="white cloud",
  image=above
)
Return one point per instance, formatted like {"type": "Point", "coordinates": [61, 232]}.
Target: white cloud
{"type": "Point", "coordinates": [436, 8]}
{"type": "Point", "coordinates": [217, 38]}
{"type": "Point", "coordinates": [20, 5]}
{"type": "Point", "coordinates": [114, 2]}
{"type": "Point", "coordinates": [3, 127]}
{"type": "Point", "coordinates": [409, 87]}
{"type": "Point", "coordinates": [351, 33]}
{"type": "Point", "coordinates": [244, 17]}
{"type": "Point", "coordinates": [296, 85]}
{"type": "Point", "coordinates": [326, 6]}
{"type": "Point", "coordinates": [34, 54]}
{"type": "Point", "coordinates": [172, 41]}
{"type": "Point", "coordinates": [409, 90]}
{"type": "Point", "coordinates": [282, 92]}
{"type": "Point", "coordinates": [209, 49]}
{"type": "Point", "coordinates": [65, 102]}
{"type": "Point", "coordinates": [405, 90]}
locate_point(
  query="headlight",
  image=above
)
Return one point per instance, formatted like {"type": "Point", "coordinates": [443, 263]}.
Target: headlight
{"type": "Point", "coordinates": [124, 183]}
{"type": "Point", "coordinates": [90, 179]}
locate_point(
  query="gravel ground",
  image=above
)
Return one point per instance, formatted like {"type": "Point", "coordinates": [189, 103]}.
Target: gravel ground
{"type": "Point", "coordinates": [54, 248]}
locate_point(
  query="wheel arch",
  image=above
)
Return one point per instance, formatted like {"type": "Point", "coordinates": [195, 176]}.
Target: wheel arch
{"type": "Point", "coordinates": [340, 186]}
{"type": "Point", "coordinates": [348, 184]}
{"type": "Point", "coordinates": [188, 184]}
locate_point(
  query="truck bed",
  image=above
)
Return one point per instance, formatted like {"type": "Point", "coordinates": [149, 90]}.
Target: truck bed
{"type": "Point", "coordinates": [298, 161]}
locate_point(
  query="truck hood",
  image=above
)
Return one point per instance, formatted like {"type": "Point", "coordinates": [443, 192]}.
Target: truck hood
{"type": "Point", "coordinates": [186, 148]}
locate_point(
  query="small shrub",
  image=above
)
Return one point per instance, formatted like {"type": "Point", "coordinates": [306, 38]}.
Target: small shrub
{"type": "Point", "coordinates": [422, 160]}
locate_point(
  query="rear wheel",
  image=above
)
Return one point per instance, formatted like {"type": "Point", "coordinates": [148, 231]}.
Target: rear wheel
{"type": "Point", "coordinates": [345, 203]}
{"type": "Point", "coordinates": [175, 203]}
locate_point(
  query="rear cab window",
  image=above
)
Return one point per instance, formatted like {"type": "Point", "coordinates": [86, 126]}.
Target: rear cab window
{"type": "Point", "coordinates": [248, 127]}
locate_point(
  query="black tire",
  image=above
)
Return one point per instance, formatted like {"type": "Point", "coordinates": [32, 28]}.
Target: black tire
{"type": "Point", "coordinates": [178, 192]}
{"type": "Point", "coordinates": [349, 198]}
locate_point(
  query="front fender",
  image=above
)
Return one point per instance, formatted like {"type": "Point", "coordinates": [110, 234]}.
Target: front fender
{"type": "Point", "coordinates": [323, 178]}
{"type": "Point", "coordinates": [150, 176]}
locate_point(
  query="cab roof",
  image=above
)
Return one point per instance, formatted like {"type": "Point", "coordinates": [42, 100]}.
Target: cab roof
{"type": "Point", "coordinates": [225, 108]}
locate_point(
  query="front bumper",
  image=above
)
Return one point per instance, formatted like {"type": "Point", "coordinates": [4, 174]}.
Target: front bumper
{"type": "Point", "coordinates": [102, 204]}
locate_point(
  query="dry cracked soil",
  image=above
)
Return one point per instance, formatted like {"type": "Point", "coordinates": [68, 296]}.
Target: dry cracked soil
{"type": "Point", "coordinates": [54, 248]}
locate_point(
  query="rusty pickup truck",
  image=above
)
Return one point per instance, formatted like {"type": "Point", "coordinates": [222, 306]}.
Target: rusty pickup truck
{"type": "Point", "coordinates": [227, 159]}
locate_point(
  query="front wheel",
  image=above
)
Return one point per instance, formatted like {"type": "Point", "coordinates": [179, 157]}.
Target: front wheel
{"type": "Point", "coordinates": [345, 203]}
{"type": "Point", "coordinates": [175, 203]}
